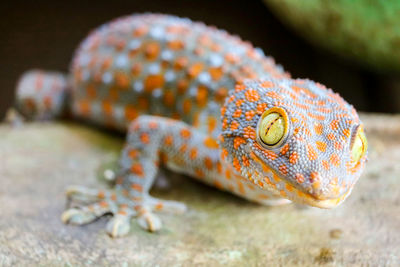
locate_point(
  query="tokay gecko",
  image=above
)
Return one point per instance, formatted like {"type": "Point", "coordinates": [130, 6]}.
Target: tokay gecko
{"type": "Point", "coordinates": [202, 102]}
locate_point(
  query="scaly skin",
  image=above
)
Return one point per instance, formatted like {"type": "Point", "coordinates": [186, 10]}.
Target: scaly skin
{"type": "Point", "coordinates": [192, 99]}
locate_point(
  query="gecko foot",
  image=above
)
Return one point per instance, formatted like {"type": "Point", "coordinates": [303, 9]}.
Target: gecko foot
{"type": "Point", "coordinates": [121, 206]}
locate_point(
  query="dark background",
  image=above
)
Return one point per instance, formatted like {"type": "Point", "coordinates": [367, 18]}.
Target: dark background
{"type": "Point", "coordinates": [44, 34]}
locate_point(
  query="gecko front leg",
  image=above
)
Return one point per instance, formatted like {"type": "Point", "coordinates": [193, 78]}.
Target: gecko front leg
{"type": "Point", "coordinates": [151, 141]}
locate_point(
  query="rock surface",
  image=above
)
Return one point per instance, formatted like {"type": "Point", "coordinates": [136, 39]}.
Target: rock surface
{"type": "Point", "coordinates": [38, 161]}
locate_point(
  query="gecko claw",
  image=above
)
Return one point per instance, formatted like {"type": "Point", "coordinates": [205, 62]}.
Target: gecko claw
{"type": "Point", "coordinates": [118, 226]}
{"type": "Point", "coordinates": [149, 222]}
{"type": "Point", "coordinates": [77, 217]}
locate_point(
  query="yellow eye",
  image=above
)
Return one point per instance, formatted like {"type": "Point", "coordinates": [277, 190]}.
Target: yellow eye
{"type": "Point", "coordinates": [273, 127]}
{"type": "Point", "coordinates": [360, 145]}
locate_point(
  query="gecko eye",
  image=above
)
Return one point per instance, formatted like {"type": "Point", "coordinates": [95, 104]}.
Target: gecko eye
{"type": "Point", "coordinates": [360, 145]}
{"type": "Point", "coordinates": [273, 127]}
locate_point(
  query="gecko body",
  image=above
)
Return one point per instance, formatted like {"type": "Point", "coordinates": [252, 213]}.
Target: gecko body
{"type": "Point", "coordinates": [202, 102]}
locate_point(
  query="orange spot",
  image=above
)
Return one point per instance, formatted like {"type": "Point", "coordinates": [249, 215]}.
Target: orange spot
{"type": "Point", "coordinates": [321, 146]}
{"type": "Point", "coordinates": [152, 50]}
{"type": "Point", "coordinates": [293, 157]}
{"type": "Point", "coordinates": [234, 125]}
{"type": "Point", "coordinates": [153, 125]}
{"type": "Point", "coordinates": [221, 94]}
{"type": "Point", "coordinates": [285, 149]}
{"type": "Point", "coordinates": [311, 153]}
{"type": "Point", "coordinates": [249, 132]}
{"type": "Point", "coordinates": [136, 69]}
{"type": "Point", "coordinates": [84, 106]}
{"type": "Point", "coordinates": [334, 125]}
{"type": "Point", "coordinates": [113, 93]}
{"type": "Point", "coordinates": [169, 140]}
{"type": "Point", "coordinates": [346, 132]}
{"type": "Point", "coordinates": [239, 102]}
{"type": "Point", "coordinates": [289, 187]}
{"type": "Point", "coordinates": [195, 69]}
{"type": "Point", "coordinates": [231, 58]}
{"type": "Point", "coordinates": [216, 73]}
{"type": "Point", "coordinates": [212, 123]}
{"type": "Point", "coordinates": [338, 146]}
{"type": "Point", "coordinates": [107, 107]}
{"type": "Point", "coordinates": [159, 206]}
{"type": "Point", "coordinates": [245, 161]}
{"type": "Point", "coordinates": [239, 87]}
{"type": "Point", "coordinates": [335, 160]}
{"type": "Point", "coordinates": [237, 113]}
{"type": "Point", "coordinates": [208, 163]}
{"type": "Point", "coordinates": [182, 86]}
{"type": "Point", "coordinates": [224, 153]}
{"type": "Point", "coordinates": [107, 62]}
{"type": "Point", "coordinates": [103, 204]}
{"type": "Point", "coordinates": [283, 169]}
{"type": "Point", "coordinates": [318, 128]}
{"type": "Point", "coordinates": [273, 95]}
{"type": "Point", "coordinates": [267, 84]}
{"type": "Point", "coordinates": [201, 97]}
{"type": "Point", "coordinates": [122, 80]}
{"type": "Point", "coordinates": [240, 187]}
{"type": "Point", "coordinates": [225, 123]}
{"type": "Point", "coordinates": [186, 106]}
{"type": "Point", "coordinates": [299, 178]}
{"type": "Point", "coordinates": [130, 112]}
{"type": "Point", "coordinates": [153, 82]}
{"type": "Point", "coordinates": [325, 164]}
{"type": "Point", "coordinates": [137, 169]}
{"type": "Point", "coordinates": [91, 91]}
{"type": "Point", "coordinates": [249, 115]}
{"type": "Point", "coordinates": [228, 174]}
{"type": "Point", "coordinates": [47, 102]}
{"type": "Point", "coordinates": [143, 103]}
{"type": "Point", "coordinates": [211, 143]}
{"type": "Point", "coordinates": [183, 148]}
{"type": "Point", "coordinates": [180, 63]}
{"type": "Point", "coordinates": [101, 194]}
{"type": "Point", "coordinates": [169, 98]}
{"type": "Point", "coordinates": [193, 153]}
{"type": "Point", "coordinates": [238, 141]}
{"type": "Point", "coordinates": [133, 153]}
{"type": "Point", "coordinates": [140, 31]}
{"type": "Point", "coordinates": [331, 136]}
{"type": "Point", "coordinates": [145, 138]}
{"type": "Point", "coordinates": [185, 133]}
{"type": "Point", "coordinates": [199, 173]}
{"type": "Point", "coordinates": [137, 187]}
{"type": "Point", "coordinates": [261, 108]}
{"type": "Point", "coordinates": [252, 95]}
{"type": "Point", "coordinates": [237, 165]}
{"type": "Point", "coordinates": [176, 45]}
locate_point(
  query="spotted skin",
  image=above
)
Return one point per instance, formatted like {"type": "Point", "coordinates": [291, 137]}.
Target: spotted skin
{"type": "Point", "coordinates": [190, 98]}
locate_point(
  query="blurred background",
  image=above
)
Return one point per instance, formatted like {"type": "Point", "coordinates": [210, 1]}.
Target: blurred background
{"type": "Point", "coordinates": [44, 34]}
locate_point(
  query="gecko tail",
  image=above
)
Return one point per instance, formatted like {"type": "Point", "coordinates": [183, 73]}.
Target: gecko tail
{"type": "Point", "coordinates": [42, 95]}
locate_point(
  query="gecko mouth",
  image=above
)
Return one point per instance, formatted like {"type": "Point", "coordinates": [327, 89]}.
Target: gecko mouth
{"type": "Point", "coordinates": [290, 191]}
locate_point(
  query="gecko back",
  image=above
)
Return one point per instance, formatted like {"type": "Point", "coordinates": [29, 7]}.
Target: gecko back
{"type": "Point", "coordinates": [161, 65]}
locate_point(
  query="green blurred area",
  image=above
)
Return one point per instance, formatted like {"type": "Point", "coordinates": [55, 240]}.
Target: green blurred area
{"type": "Point", "coordinates": [365, 30]}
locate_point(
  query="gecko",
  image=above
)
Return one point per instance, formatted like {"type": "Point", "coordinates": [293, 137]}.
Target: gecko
{"type": "Point", "coordinates": [202, 102]}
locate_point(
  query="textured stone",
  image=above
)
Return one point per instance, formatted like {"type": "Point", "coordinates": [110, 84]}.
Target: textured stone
{"type": "Point", "coordinates": [38, 161]}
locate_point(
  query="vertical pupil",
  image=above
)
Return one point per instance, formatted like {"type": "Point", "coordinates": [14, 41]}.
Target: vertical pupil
{"type": "Point", "coordinates": [272, 128]}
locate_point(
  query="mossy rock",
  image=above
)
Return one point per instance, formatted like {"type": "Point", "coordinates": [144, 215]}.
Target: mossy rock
{"type": "Point", "coordinates": [365, 30]}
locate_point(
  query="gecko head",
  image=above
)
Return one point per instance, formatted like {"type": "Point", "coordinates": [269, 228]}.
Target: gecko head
{"type": "Point", "coordinates": [295, 138]}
